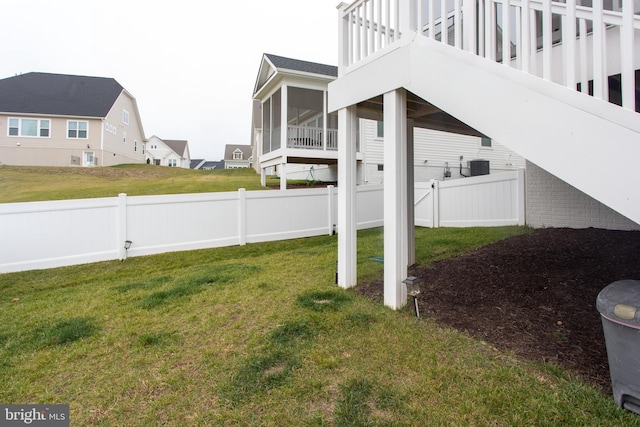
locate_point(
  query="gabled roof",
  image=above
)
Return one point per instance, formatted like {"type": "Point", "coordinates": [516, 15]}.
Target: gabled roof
{"type": "Point", "coordinates": [58, 94]}
{"type": "Point", "coordinates": [229, 149]}
{"type": "Point", "coordinates": [280, 62]}
{"type": "Point", "coordinates": [272, 64]}
{"type": "Point", "coordinates": [179, 146]}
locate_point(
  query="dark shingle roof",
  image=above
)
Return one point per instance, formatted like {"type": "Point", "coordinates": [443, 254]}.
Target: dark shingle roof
{"type": "Point", "coordinates": [58, 94]}
{"type": "Point", "coordinates": [305, 66]}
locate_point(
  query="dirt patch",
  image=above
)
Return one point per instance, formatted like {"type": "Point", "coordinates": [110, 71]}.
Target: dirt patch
{"type": "Point", "coordinates": [533, 294]}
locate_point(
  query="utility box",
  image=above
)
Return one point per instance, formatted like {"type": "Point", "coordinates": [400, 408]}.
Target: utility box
{"type": "Point", "coordinates": [619, 307]}
{"type": "Point", "coordinates": [478, 167]}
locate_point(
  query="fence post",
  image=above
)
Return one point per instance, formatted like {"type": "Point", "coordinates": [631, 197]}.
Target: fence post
{"type": "Point", "coordinates": [122, 225]}
{"type": "Point", "coordinates": [435, 200]}
{"type": "Point", "coordinates": [242, 216]}
{"type": "Point", "coordinates": [521, 198]}
{"type": "Point", "coordinates": [330, 216]}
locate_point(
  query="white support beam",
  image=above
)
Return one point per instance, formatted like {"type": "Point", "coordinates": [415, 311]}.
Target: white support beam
{"type": "Point", "coordinates": [347, 244]}
{"type": "Point", "coordinates": [411, 221]}
{"type": "Point", "coordinates": [395, 198]}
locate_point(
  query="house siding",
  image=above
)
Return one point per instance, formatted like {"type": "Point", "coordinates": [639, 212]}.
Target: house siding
{"type": "Point", "coordinates": [552, 202]}
{"type": "Point", "coordinates": [115, 150]}
{"type": "Point", "coordinates": [57, 150]}
{"type": "Point", "coordinates": [432, 150]}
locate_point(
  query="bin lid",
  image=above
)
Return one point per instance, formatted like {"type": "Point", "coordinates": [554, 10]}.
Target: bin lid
{"type": "Point", "coordinates": [620, 302]}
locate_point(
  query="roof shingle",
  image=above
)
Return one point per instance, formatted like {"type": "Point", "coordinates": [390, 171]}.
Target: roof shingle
{"type": "Point", "coordinates": [58, 94]}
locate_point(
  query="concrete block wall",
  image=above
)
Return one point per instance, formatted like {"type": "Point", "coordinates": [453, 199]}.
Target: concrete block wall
{"type": "Point", "coordinates": [551, 202]}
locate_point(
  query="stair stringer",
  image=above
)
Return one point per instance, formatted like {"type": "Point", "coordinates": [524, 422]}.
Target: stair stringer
{"type": "Point", "coordinates": [588, 143]}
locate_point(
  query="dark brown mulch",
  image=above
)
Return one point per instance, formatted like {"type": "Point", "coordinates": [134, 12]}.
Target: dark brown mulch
{"type": "Point", "coordinates": [533, 294]}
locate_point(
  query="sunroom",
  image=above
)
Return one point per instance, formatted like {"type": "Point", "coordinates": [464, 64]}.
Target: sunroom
{"type": "Point", "coordinates": [293, 135]}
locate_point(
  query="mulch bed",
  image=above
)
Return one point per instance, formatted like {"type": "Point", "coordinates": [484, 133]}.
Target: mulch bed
{"type": "Point", "coordinates": [533, 295]}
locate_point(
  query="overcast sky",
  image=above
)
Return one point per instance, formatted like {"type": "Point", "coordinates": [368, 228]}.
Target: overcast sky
{"type": "Point", "coordinates": [190, 64]}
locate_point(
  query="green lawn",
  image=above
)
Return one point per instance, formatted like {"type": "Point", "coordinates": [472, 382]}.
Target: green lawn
{"type": "Point", "coordinates": [32, 183]}
{"type": "Point", "coordinates": [261, 335]}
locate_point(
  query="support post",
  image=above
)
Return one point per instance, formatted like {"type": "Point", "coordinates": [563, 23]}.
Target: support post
{"type": "Point", "coordinates": [331, 210]}
{"type": "Point", "coordinates": [263, 177]}
{"type": "Point", "coordinates": [122, 225]}
{"type": "Point", "coordinates": [283, 176]}
{"type": "Point", "coordinates": [347, 247]}
{"type": "Point", "coordinates": [411, 193]}
{"type": "Point", "coordinates": [242, 216]}
{"type": "Point", "coordinates": [395, 198]}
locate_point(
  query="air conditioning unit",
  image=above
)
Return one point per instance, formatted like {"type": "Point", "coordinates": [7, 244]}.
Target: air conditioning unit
{"type": "Point", "coordinates": [478, 167]}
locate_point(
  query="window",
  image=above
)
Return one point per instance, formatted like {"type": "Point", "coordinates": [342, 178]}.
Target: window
{"type": "Point", "coordinates": [485, 142]}
{"type": "Point", "coordinates": [37, 128]}
{"type": "Point", "coordinates": [380, 130]}
{"type": "Point", "coordinates": [380, 168]}
{"type": "Point", "coordinates": [124, 137]}
{"type": "Point", "coordinates": [237, 155]}
{"type": "Point", "coordinates": [77, 129]}
{"type": "Point", "coordinates": [143, 147]}
{"type": "Point", "coordinates": [125, 117]}
{"type": "Point", "coordinates": [135, 145]}
{"type": "Point", "coordinates": [173, 162]}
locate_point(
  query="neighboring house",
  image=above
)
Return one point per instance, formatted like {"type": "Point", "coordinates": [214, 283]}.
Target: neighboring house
{"type": "Point", "coordinates": [202, 164]}
{"type": "Point", "coordinates": [168, 152]}
{"type": "Point", "coordinates": [566, 99]}
{"type": "Point", "coordinates": [196, 163]}
{"type": "Point", "coordinates": [299, 88]}
{"type": "Point", "coordinates": [237, 156]}
{"type": "Point", "coordinates": [65, 120]}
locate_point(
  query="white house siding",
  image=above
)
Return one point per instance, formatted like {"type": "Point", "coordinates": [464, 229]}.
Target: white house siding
{"type": "Point", "coordinates": [552, 202]}
{"type": "Point", "coordinates": [432, 150]}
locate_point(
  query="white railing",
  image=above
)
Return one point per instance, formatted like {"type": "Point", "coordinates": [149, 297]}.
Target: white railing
{"type": "Point", "coordinates": [585, 38]}
{"type": "Point", "coordinates": [41, 235]}
{"type": "Point", "coordinates": [307, 137]}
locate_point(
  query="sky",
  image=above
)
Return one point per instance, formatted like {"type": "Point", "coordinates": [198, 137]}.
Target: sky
{"type": "Point", "coordinates": [190, 64]}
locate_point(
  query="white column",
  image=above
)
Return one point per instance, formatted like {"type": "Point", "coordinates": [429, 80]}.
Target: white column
{"type": "Point", "coordinates": [411, 189]}
{"type": "Point", "coordinates": [395, 198]}
{"type": "Point", "coordinates": [263, 177]}
{"type": "Point", "coordinates": [347, 197]}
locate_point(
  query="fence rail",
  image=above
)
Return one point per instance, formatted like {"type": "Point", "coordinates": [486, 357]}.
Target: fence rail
{"type": "Point", "coordinates": [41, 235]}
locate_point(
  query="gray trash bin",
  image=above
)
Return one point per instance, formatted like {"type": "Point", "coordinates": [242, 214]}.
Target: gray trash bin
{"type": "Point", "coordinates": [619, 307]}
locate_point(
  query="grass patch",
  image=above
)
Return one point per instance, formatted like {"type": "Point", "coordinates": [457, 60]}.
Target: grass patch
{"type": "Point", "coordinates": [63, 332]}
{"type": "Point", "coordinates": [37, 183]}
{"type": "Point", "coordinates": [323, 300]}
{"type": "Point", "coordinates": [240, 337]}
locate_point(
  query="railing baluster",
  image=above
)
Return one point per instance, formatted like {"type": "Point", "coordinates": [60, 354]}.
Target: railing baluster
{"type": "Point", "coordinates": [627, 34]}
{"type": "Point", "coordinates": [356, 30]}
{"type": "Point", "coordinates": [584, 82]}
{"type": "Point", "coordinates": [444, 25]}
{"type": "Point", "coordinates": [506, 34]}
{"type": "Point", "coordinates": [372, 40]}
{"type": "Point", "coordinates": [525, 31]}
{"type": "Point", "coordinates": [599, 72]}
{"type": "Point", "coordinates": [387, 23]}
{"type": "Point", "coordinates": [569, 44]}
{"type": "Point", "coordinates": [379, 23]}
{"type": "Point", "coordinates": [547, 39]}
{"type": "Point", "coordinates": [457, 24]}
{"type": "Point", "coordinates": [432, 20]}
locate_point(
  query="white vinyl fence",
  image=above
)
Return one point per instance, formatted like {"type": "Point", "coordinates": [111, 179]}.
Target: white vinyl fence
{"type": "Point", "coordinates": [40, 235]}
